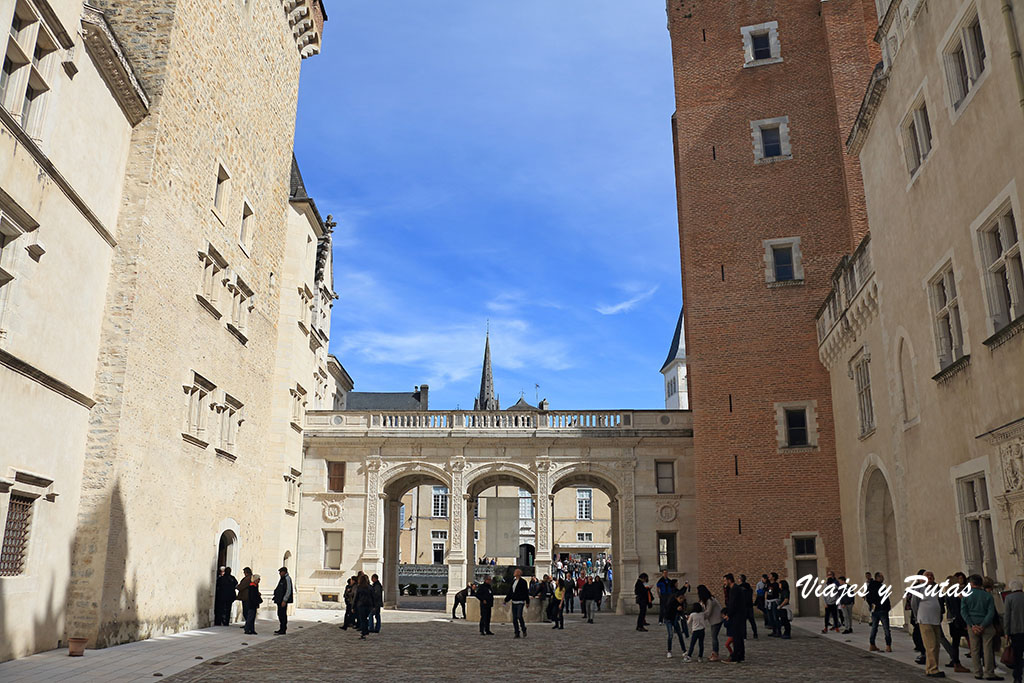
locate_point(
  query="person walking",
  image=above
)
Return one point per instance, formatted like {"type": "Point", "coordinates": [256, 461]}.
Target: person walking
{"type": "Point", "coordinates": [284, 594]}
{"type": "Point", "coordinates": [1013, 624]}
{"type": "Point", "coordinates": [738, 608]}
{"type": "Point", "coordinates": [831, 604]}
{"type": "Point", "coordinates": [243, 594]}
{"type": "Point", "coordinates": [846, 605]}
{"type": "Point", "coordinates": [745, 585]}
{"type": "Point", "coordinates": [979, 612]}
{"type": "Point", "coordinates": [784, 612]}
{"type": "Point", "coordinates": [929, 620]}
{"type": "Point", "coordinates": [252, 603]}
{"type": "Point", "coordinates": [364, 605]}
{"type": "Point", "coordinates": [460, 600]}
{"type": "Point", "coordinates": [879, 608]}
{"type": "Point", "coordinates": [664, 587]}
{"type": "Point", "coordinates": [519, 596]}
{"type": "Point", "coordinates": [712, 617]}
{"type": "Point", "coordinates": [771, 605]}
{"type": "Point", "coordinates": [558, 612]}
{"type": "Point", "coordinates": [378, 603]}
{"type": "Point", "coordinates": [642, 594]}
{"type": "Point", "coordinates": [485, 595]}
{"type": "Point", "coordinates": [697, 625]}
{"type": "Point", "coordinates": [225, 597]}
{"type": "Point", "coordinates": [957, 625]}
{"type": "Point", "coordinates": [591, 597]}
{"type": "Point", "coordinates": [673, 615]}
{"type": "Point", "coordinates": [570, 595]}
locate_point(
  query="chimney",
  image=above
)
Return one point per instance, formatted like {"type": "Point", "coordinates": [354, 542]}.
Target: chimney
{"type": "Point", "coordinates": [424, 395]}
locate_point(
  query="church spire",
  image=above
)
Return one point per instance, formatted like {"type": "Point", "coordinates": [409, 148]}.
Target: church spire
{"type": "Point", "coordinates": [486, 399]}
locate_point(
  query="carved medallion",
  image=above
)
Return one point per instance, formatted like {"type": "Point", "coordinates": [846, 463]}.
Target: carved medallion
{"type": "Point", "coordinates": [332, 510]}
{"type": "Point", "coordinates": [667, 513]}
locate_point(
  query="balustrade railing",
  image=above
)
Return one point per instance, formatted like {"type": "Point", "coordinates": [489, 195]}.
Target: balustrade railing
{"type": "Point", "coordinates": [849, 277]}
{"type": "Point", "coordinates": [448, 420]}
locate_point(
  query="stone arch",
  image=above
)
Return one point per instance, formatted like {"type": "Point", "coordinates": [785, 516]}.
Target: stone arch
{"type": "Point", "coordinates": [588, 474]}
{"type": "Point", "coordinates": [497, 474]}
{"type": "Point", "coordinates": [906, 378]}
{"type": "Point", "coordinates": [229, 545]}
{"type": "Point", "coordinates": [878, 521]}
{"type": "Point", "coordinates": [409, 475]}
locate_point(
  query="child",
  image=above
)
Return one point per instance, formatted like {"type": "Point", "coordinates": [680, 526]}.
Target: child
{"type": "Point", "coordinates": [696, 623]}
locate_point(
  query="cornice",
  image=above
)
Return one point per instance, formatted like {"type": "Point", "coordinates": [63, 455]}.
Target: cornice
{"type": "Point", "coordinates": [113, 65]}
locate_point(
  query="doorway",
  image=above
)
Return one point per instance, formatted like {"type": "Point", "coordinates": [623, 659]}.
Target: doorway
{"type": "Point", "coordinates": [806, 607]}
{"type": "Point", "coordinates": [527, 555]}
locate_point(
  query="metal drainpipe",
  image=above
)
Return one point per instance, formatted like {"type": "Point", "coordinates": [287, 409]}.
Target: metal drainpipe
{"type": "Point", "coordinates": [1015, 55]}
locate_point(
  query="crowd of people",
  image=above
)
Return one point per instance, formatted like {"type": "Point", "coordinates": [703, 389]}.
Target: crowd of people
{"type": "Point", "coordinates": [228, 589]}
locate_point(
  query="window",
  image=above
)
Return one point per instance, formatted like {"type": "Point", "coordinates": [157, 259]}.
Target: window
{"type": "Point", "coordinates": [336, 476]}
{"type": "Point", "coordinates": [305, 309]}
{"type": "Point", "coordinates": [439, 502]}
{"type": "Point", "coordinates": [667, 551]}
{"type": "Point", "coordinates": [862, 378]}
{"type": "Point", "coordinates": [783, 260]}
{"type": "Point", "coordinates": [771, 139]}
{"type": "Point", "coordinates": [761, 44]}
{"type": "Point", "coordinates": [15, 546]}
{"type": "Point", "coordinates": [439, 535]}
{"type": "Point", "coordinates": [665, 473]}
{"type": "Point", "coordinates": [585, 537]}
{"type": "Point", "coordinates": [976, 521]}
{"type": "Point", "coordinates": [1001, 251]}
{"type": "Point", "coordinates": [401, 516]}
{"type": "Point", "coordinates": [27, 70]}
{"type": "Point", "coordinates": [526, 505]}
{"type": "Point", "coordinates": [804, 546]}
{"type": "Point", "coordinates": [241, 305]}
{"type": "Point", "coordinates": [213, 279]}
{"type": "Point", "coordinates": [917, 136]}
{"type": "Point", "coordinates": [438, 541]}
{"type": "Point", "coordinates": [298, 395]}
{"type": "Point", "coordinates": [796, 427]}
{"type": "Point", "coordinates": [220, 192]}
{"type": "Point", "coordinates": [964, 60]}
{"type": "Point", "coordinates": [9, 232]}
{"type": "Point", "coordinates": [584, 504]}
{"type": "Point", "coordinates": [198, 408]}
{"type": "Point", "coordinates": [671, 387]}
{"type": "Point", "coordinates": [245, 234]}
{"type": "Point", "coordinates": [231, 420]}
{"type": "Point", "coordinates": [292, 485]}
{"type": "Point", "coordinates": [946, 311]}
{"type": "Point", "coordinates": [332, 549]}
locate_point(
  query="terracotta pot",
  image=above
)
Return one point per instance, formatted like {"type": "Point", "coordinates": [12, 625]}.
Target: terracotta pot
{"type": "Point", "coordinates": [76, 647]}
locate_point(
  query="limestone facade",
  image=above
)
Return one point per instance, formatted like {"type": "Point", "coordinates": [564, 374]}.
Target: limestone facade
{"type": "Point", "coordinates": [921, 334]}
{"type": "Point", "coordinates": [351, 523]}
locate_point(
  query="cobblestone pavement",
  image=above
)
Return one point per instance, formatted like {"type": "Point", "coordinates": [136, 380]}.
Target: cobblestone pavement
{"type": "Point", "coordinates": [609, 650]}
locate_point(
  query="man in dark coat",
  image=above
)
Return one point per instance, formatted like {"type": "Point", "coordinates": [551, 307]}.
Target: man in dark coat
{"type": "Point", "coordinates": [486, 597]}
{"type": "Point", "coordinates": [226, 585]}
{"type": "Point", "coordinates": [284, 594]}
{"type": "Point", "coordinates": [251, 603]}
{"type": "Point", "coordinates": [738, 608]}
{"type": "Point", "coordinates": [243, 593]}
{"type": "Point", "coordinates": [643, 601]}
{"type": "Point", "coordinates": [378, 603]}
{"type": "Point", "coordinates": [460, 599]}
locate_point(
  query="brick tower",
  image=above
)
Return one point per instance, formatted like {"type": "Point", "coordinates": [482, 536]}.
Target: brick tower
{"type": "Point", "coordinates": [766, 93]}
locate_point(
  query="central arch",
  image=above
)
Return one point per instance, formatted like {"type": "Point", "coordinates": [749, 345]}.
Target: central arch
{"type": "Point", "coordinates": [879, 527]}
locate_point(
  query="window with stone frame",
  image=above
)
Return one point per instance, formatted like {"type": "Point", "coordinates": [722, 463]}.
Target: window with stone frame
{"type": "Point", "coordinates": [796, 424]}
{"type": "Point", "coordinates": [771, 139]}
{"type": "Point", "coordinates": [1000, 244]}
{"type": "Point", "coordinates": [584, 504]}
{"type": "Point", "coordinates": [298, 395]}
{"type": "Point", "coordinates": [796, 427]}
{"type": "Point", "coordinates": [242, 303]}
{"type": "Point", "coordinates": [761, 44]}
{"type": "Point", "coordinates": [247, 226]}
{"type": "Point", "coordinates": [439, 502]}
{"type": "Point", "coordinates": [976, 524]}
{"type": "Point", "coordinates": [917, 135]}
{"type": "Point", "coordinates": [231, 417]}
{"type": "Point", "coordinates": [964, 58]}
{"type": "Point", "coordinates": [665, 476]}
{"type": "Point", "coordinates": [783, 261]}
{"type": "Point", "coordinates": [527, 509]}
{"type": "Point", "coordinates": [949, 340]}
{"type": "Point", "coordinates": [27, 74]}
{"type": "Point", "coordinates": [221, 189]}
{"type": "Point", "coordinates": [584, 536]}
{"type": "Point", "coordinates": [860, 371]}
{"type": "Point", "coordinates": [291, 482]}
{"type": "Point", "coordinates": [213, 279]}
{"type": "Point", "coordinates": [667, 550]}
{"type": "Point", "coordinates": [305, 309]}
{"type": "Point", "coordinates": [10, 232]}
{"type": "Point", "coordinates": [336, 476]}
{"type": "Point", "coordinates": [199, 395]}
{"type": "Point", "coordinates": [14, 551]}
{"type": "Point", "coordinates": [332, 549]}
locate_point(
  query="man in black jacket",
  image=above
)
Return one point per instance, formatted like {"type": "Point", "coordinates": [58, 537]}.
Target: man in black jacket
{"type": "Point", "coordinates": [738, 607]}
{"type": "Point", "coordinates": [378, 603]}
{"type": "Point", "coordinates": [283, 594]}
{"type": "Point", "coordinates": [226, 585]}
{"type": "Point", "coordinates": [486, 597]}
{"type": "Point", "coordinates": [643, 601]}
{"type": "Point", "coordinates": [519, 596]}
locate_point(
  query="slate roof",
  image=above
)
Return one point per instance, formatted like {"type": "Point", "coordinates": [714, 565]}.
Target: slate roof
{"type": "Point", "coordinates": [384, 400]}
{"type": "Point", "coordinates": [678, 347]}
{"type": "Point", "coordinates": [521, 404]}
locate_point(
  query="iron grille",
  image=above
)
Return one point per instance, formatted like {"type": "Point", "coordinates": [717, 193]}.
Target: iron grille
{"type": "Point", "coordinates": [15, 547]}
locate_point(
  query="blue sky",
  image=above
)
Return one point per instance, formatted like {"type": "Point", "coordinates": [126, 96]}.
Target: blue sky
{"type": "Point", "coordinates": [502, 161]}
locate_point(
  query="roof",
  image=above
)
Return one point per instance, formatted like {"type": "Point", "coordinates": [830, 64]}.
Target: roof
{"type": "Point", "coordinates": [521, 404]}
{"type": "Point", "coordinates": [677, 351]}
{"type": "Point", "coordinates": [384, 400]}
{"type": "Point", "coordinates": [297, 193]}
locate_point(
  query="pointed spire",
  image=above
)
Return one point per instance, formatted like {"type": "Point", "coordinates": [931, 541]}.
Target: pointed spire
{"type": "Point", "coordinates": [486, 399]}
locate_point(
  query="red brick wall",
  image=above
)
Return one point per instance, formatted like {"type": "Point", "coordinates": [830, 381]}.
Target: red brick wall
{"type": "Point", "coordinates": [743, 338]}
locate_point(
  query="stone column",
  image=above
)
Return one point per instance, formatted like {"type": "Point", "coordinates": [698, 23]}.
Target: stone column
{"type": "Point", "coordinates": [627, 561]}
{"type": "Point", "coordinates": [544, 531]}
{"type": "Point", "coordinates": [616, 552]}
{"type": "Point", "coordinates": [372, 539]}
{"type": "Point", "coordinates": [456, 559]}
{"type": "Point", "coordinates": [471, 557]}
{"type": "Point", "coordinates": [392, 544]}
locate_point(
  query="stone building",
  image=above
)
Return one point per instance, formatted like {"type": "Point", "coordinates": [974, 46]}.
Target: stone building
{"type": "Point", "coordinates": [67, 94]}
{"type": "Point", "coordinates": [921, 332]}
{"type": "Point", "coordinates": [768, 202]}
{"type": "Point", "coordinates": [677, 388]}
{"type": "Point", "coordinates": [152, 178]}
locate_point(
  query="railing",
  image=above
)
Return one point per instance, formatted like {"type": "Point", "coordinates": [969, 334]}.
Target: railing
{"type": "Point", "coordinates": [849, 277]}
{"type": "Point", "coordinates": [448, 421]}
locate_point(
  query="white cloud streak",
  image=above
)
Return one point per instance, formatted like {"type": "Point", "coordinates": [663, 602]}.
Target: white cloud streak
{"type": "Point", "coordinates": [628, 304]}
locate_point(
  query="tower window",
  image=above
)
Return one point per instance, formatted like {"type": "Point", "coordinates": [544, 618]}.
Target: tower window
{"type": "Point", "coordinates": [771, 139]}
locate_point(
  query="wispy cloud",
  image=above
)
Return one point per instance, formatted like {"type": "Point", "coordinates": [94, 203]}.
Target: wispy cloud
{"type": "Point", "coordinates": [628, 304]}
